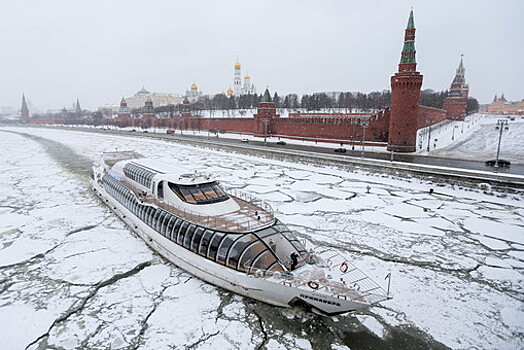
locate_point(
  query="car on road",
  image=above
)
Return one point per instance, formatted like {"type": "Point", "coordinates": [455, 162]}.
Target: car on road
{"type": "Point", "coordinates": [501, 162]}
{"type": "Point", "coordinates": [244, 140]}
{"type": "Point", "coordinates": [340, 150]}
{"type": "Point", "coordinates": [281, 143]}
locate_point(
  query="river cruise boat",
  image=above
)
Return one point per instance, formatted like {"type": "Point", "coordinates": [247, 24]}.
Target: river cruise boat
{"type": "Point", "coordinates": [228, 238]}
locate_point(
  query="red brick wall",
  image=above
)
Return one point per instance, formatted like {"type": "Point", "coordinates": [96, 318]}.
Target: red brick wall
{"type": "Point", "coordinates": [328, 127]}
{"type": "Point", "coordinates": [456, 107]}
{"type": "Point", "coordinates": [429, 116]}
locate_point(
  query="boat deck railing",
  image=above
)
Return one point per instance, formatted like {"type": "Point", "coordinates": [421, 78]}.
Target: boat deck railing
{"type": "Point", "coordinates": [252, 215]}
{"type": "Point", "coordinates": [342, 280]}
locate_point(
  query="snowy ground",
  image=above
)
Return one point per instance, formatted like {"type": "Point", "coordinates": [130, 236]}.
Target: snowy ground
{"type": "Point", "coordinates": [482, 143]}
{"type": "Point", "coordinates": [73, 276]}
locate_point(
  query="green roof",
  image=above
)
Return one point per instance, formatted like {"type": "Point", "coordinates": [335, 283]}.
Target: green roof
{"type": "Point", "coordinates": [267, 96]}
{"type": "Point", "coordinates": [411, 22]}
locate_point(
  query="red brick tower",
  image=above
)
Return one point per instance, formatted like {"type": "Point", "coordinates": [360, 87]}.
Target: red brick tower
{"type": "Point", "coordinates": [455, 102]}
{"type": "Point", "coordinates": [123, 111]}
{"type": "Point", "coordinates": [148, 111]}
{"type": "Point", "coordinates": [266, 111]}
{"type": "Point", "coordinates": [24, 112]}
{"type": "Point", "coordinates": [405, 95]}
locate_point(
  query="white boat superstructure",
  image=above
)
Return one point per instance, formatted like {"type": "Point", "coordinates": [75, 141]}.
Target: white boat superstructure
{"type": "Point", "coordinates": [227, 238]}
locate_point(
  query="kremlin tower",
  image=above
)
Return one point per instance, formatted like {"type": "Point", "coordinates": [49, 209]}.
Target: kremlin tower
{"type": "Point", "coordinates": [148, 108]}
{"type": "Point", "coordinates": [237, 81]}
{"type": "Point", "coordinates": [24, 111]}
{"type": "Point", "coordinates": [455, 102]}
{"type": "Point", "coordinates": [123, 111]}
{"type": "Point", "coordinates": [405, 95]}
{"type": "Point", "coordinates": [78, 109]}
{"type": "Point", "coordinates": [266, 112]}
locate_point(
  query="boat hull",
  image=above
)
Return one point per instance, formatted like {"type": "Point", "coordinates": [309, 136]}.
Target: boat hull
{"type": "Point", "coordinates": [274, 291]}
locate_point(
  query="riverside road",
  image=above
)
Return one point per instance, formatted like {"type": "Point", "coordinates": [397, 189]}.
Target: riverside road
{"type": "Point", "coordinates": [479, 165]}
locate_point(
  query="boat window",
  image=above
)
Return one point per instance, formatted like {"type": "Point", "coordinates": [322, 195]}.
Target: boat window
{"type": "Point", "coordinates": [290, 236]}
{"type": "Point", "coordinates": [163, 224]}
{"type": "Point", "coordinates": [207, 193]}
{"type": "Point", "coordinates": [156, 219]}
{"type": "Point", "coordinates": [160, 189]}
{"type": "Point", "coordinates": [189, 236]}
{"type": "Point", "coordinates": [276, 267]}
{"type": "Point", "coordinates": [213, 247]}
{"type": "Point", "coordinates": [204, 243]}
{"type": "Point", "coordinates": [167, 221]}
{"type": "Point", "coordinates": [224, 247]}
{"type": "Point", "coordinates": [187, 196]}
{"type": "Point", "coordinates": [195, 242]}
{"type": "Point", "coordinates": [138, 174]}
{"type": "Point", "coordinates": [263, 262]}
{"type": "Point", "coordinates": [266, 232]}
{"type": "Point", "coordinates": [174, 232]}
{"type": "Point", "coordinates": [238, 248]}
{"type": "Point", "coordinates": [159, 219]}
{"type": "Point", "coordinates": [170, 226]}
{"type": "Point", "coordinates": [149, 215]}
{"type": "Point", "coordinates": [249, 255]}
{"type": "Point", "coordinates": [181, 233]}
{"type": "Point", "coordinates": [281, 247]}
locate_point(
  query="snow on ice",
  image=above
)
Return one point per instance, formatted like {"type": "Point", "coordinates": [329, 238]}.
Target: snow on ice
{"type": "Point", "coordinates": [73, 276]}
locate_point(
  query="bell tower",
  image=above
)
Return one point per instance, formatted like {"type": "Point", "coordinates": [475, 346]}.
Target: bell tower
{"type": "Point", "coordinates": [405, 96]}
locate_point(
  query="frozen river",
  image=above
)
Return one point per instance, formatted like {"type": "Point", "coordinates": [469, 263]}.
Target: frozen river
{"type": "Point", "coordinates": [73, 276]}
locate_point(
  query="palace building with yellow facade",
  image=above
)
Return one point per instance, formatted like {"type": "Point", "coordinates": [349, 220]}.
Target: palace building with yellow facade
{"type": "Point", "coordinates": [501, 106]}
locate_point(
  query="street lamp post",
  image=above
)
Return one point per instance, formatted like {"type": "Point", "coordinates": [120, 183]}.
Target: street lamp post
{"type": "Point", "coordinates": [266, 122]}
{"type": "Point", "coordinates": [502, 124]}
{"type": "Point", "coordinates": [429, 137]}
{"type": "Point", "coordinates": [353, 122]}
{"type": "Point", "coordinates": [365, 124]}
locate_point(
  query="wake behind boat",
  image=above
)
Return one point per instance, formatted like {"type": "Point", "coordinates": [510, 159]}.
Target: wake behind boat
{"type": "Point", "coordinates": [228, 239]}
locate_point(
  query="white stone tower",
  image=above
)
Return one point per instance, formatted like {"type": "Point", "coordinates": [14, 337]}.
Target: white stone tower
{"type": "Point", "coordinates": [237, 82]}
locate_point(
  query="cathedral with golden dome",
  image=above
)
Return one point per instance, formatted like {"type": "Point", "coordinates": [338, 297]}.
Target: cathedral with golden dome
{"type": "Point", "coordinates": [193, 94]}
{"type": "Point", "coordinates": [238, 89]}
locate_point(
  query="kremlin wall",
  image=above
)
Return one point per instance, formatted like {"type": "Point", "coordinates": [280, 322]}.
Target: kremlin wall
{"type": "Point", "coordinates": [395, 127]}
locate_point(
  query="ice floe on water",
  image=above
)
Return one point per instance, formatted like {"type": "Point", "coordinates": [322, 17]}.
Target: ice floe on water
{"type": "Point", "coordinates": [73, 276]}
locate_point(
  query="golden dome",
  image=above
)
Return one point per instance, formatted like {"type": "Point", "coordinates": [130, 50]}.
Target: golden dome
{"type": "Point", "coordinates": [194, 87]}
{"type": "Point", "coordinates": [237, 65]}
{"type": "Point", "coordinates": [247, 77]}
{"type": "Point", "coordinates": [229, 92]}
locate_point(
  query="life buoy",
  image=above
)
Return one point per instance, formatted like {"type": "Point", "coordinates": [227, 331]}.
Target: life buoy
{"type": "Point", "coordinates": [344, 267]}
{"type": "Point", "coordinates": [312, 284]}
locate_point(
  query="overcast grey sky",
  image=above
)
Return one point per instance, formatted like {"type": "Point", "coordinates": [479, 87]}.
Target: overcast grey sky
{"type": "Point", "coordinates": [57, 50]}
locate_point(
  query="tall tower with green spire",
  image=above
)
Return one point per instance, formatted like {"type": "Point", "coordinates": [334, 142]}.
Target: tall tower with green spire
{"type": "Point", "coordinates": [405, 96]}
{"type": "Point", "coordinates": [455, 102]}
{"type": "Point", "coordinates": [24, 111]}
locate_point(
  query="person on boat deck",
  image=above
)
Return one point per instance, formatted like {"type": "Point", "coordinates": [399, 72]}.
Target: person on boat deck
{"type": "Point", "coordinates": [294, 260]}
{"type": "Point", "coordinates": [273, 246]}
